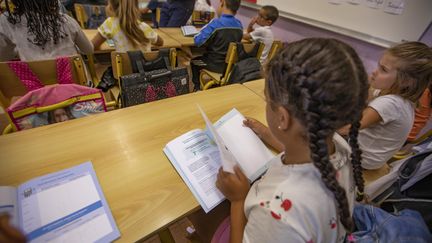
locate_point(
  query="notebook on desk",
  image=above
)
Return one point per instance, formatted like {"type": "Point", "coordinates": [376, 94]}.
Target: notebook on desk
{"type": "Point", "coordinates": [189, 30]}
{"type": "Point", "coordinates": [64, 206]}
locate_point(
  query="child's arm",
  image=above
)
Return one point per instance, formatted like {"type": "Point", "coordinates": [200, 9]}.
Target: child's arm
{"type": "Point", "coordinates": [251, 24]}
{"type": "Point", "coordinates": [247, 36]}
{"type": "Point", "coordinates": [98, 40]}
{"type": "Point", "coordinates": [235, 188]}
{"type": "Point", "coordinates": [159, 41]}
{"type": "Point", "coordinates": [264, 133]}
{"type": "Point", "coordinates": [370, 118]}
{"type": "Point", "coordinates": [204, 34]}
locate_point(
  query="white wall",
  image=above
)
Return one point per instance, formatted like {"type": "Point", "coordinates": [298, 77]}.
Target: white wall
{"type": "Point", "coordinates": [289, 30]}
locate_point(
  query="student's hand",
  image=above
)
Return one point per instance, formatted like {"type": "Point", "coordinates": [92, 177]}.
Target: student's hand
{"type": "Point", "coordinates": [251, 24]}
{"type": "Point", "coordinates": [259, 129]}
{"type": "Point", "coordinates": [235, 187]}
{"type": "Point", "coordinates": [8, 233]}
{"type": "Point", "coordinates": [344, 131]}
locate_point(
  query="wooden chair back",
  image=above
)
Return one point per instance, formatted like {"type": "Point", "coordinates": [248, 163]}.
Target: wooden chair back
{"type": "Point", "coordinates": [46, 70]}
{"type": "Point", "coordinates": [276, 46]}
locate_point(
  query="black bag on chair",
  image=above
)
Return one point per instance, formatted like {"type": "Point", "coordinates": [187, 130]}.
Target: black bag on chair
{"type": "Point", "coordinates": [152, 80]}
{"type": "Point", "coordinates": [248, 66]}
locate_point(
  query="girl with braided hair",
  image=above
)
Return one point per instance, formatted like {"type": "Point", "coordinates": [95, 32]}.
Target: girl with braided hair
{"type": "Point", "coordinates": [36, 30]}
{"type": "Point", "coordinates": [313, 87]}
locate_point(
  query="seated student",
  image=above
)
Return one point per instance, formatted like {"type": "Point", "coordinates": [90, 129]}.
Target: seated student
{"type": "Point", "coordinates": [267, 16]}
{"type": "Point", "coordinates": [36, 30]}
{"type": "Point", "coordinates": [125, 29]}
{"type": "Point", "coordinates": [403, 74]}
{"type": "Point", "coordinates": [217, 45]}
{"type": "Point", "coordinates": [313, 87]}
{"type": "Point", "coordinates": [176, 13]}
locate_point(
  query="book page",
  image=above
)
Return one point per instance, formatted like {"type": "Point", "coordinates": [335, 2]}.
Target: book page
{"type": "Point", "coordinates": [247, 148]}
{"type": "Point", "coordinates": [66, 206]}
{"type": "Point", "coordinates": [227, 158]}
{"type": "Point", "coordinates": [196, 158]}
{"type": "Point", "coordinates": [8, 203]}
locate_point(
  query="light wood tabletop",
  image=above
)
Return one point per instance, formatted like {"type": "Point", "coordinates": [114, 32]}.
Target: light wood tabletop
{"type": "Point", "coordinates": [143, 190]}
{"type": "Point", "coordinates": [257, 86]}
{"type": "Point", "coordinates": [177, 34]}
{"type": "Point", "coordinates": [168, 41]}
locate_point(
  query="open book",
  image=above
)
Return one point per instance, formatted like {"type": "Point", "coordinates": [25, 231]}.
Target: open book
{"type": "Point", "coordinates": [189, 30]}
{"type": "Point", "coordinates": [197, 156]}
{"type": "Point", "coordinates": [65, 206]}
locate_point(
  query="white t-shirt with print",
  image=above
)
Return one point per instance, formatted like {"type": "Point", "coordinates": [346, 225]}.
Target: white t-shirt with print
{"type": "Point", "coordinates": [290, 203]}
{"type": "Point", "coordinates": [110, 29]}
{"type": "Point", "coordinates": [381, 141]}
{"type": "Point", "coordinates": [265, 35]}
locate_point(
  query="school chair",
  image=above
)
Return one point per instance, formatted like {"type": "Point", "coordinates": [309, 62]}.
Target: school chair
{"type": "Point", "coordinates": [121, 65]}
{"type": "Point", "coordinates": [200, 18]}
{"type": "Point", "coordinates": [209, 79]}
{"type": "Point", "coordinates": [11, 86]}
{"type": "Point", "coordinates": [158, 15]}
{"type": "Point", "coordinates": [276, 46]}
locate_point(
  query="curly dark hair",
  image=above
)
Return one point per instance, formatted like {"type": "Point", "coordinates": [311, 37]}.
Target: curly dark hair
{"type": "Point", "coordinates": [43, 17]}
{"type": "Point", "coordinates": [322, 83]}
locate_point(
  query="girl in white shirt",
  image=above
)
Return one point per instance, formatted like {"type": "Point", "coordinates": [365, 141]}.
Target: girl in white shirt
{"type": "Point", "coordinates": [313, 87]}
{"type": "Point", "coordinates": [402, 75]}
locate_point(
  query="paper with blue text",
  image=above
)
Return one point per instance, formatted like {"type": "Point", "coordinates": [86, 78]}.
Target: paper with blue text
{"type": "Point", "coordinates": [65, 206]}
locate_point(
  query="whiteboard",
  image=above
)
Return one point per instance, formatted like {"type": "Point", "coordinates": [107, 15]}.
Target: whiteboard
{"type": "Point", "coordinates": [359, 20]}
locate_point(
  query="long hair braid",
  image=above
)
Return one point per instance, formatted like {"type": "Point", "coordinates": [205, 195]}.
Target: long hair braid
{"type": "Point", "coordinates": [356, 160]}
{"type": "Point", "coordinates": [323, 84]}
{"type": "Point", "coordinates": [43, 17]}
{"type": "Point", "coordinates": [319, 128]}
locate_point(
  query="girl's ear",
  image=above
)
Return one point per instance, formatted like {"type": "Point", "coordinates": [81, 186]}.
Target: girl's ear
{"type": "Point", "coordinates": [284, 118]}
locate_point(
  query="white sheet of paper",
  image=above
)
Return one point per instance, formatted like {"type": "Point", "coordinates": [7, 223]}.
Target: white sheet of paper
{"type": "Point", "coordinates": [228, 160]}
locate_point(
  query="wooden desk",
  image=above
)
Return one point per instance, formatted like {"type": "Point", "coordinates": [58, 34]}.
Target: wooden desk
{"type": "Point", "coordinates": [168, 41]}
{"type": "Point", "coordinates": [256, 86]}
{"type": "Point", "coordinates": [143, 190]}
{"type": "Point", "coordinates": [90, 33]}
{"type": "Point", "coordinates": [177, 34]}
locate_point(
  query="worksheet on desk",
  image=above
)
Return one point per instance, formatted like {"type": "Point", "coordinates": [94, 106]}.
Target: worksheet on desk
{"type": "Point", "coordinates": [67, 206]}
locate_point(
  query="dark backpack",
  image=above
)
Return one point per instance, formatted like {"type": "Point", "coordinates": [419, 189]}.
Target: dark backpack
{"type": "Point", "coordinates": [412, 187]}
{"type": "Point", "coordinates": [247, 68]}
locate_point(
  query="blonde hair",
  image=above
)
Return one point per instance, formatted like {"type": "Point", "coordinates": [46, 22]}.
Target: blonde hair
{"type": "Point", "coordinates": [128, 13]}
{"type": "Point", "coordinates": [414, 69]}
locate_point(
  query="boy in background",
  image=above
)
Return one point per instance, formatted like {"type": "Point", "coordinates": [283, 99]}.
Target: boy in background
{"type": "Point", "coordinates": [216, 37]}
{"type": "Point", "coordinates": [267, 16]}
